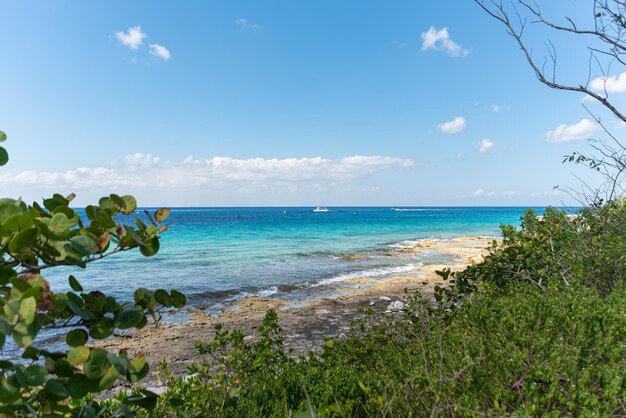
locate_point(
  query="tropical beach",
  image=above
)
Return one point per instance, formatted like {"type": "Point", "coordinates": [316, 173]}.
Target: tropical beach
{"type": "Point", "coordinates": [306, 323]}
{"type": "Point", "coordinates": [312, 209]}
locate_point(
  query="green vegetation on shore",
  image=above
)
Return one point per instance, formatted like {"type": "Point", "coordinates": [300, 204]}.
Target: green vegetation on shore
{"type": "Point", "coordinates": [538, 328]}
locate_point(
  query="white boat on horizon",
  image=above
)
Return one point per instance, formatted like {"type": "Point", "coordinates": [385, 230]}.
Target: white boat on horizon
{"type": "Point", "coordinates": [320, 209]}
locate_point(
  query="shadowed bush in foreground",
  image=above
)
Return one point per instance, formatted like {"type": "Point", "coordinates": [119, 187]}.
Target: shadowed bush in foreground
{"type": "Point", "coordinates": [538, 328]}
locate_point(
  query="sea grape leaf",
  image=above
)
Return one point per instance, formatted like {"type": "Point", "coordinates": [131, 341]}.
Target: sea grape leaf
{"type": "Point", "coordinates": [129, 318]}
{"type": "Point", "coordinates": [97, 365]}
{"type": "Point", "coordinates": [162, 214]}
{"type": "Point", "coordinates": [76, 337]}
{"type": "Point", "coordinates": [178, 299]}
{"type": "Point", "coordinates": [78, 355]}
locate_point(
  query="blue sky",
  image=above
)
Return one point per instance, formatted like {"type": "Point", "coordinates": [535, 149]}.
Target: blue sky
{"type": "Point", "coordinates": [285, 103]}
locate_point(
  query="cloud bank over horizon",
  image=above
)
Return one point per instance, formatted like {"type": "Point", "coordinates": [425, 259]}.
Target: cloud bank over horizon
{"type": "Point", "coordinates": [139, 173]}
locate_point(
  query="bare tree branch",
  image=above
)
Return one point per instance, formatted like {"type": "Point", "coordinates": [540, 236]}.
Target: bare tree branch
{"type": "Point", "coordinates": [611, 35]}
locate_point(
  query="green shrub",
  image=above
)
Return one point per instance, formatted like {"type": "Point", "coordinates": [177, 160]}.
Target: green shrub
{"type": "Point", "coordinates": [537, 328]}
{"type": "Point", "coordinates": [34, 238]}
{"type": "Point", "coordinates": [588, 250]}
{"type": "Point", "coordinates": [521, 353]}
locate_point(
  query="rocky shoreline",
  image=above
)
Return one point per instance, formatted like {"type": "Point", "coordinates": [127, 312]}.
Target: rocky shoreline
{"type": "Point", "coordinates": [304, 325]}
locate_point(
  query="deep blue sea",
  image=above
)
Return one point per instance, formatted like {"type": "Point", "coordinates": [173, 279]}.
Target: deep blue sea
{"type": "Point", "coordinates": [217, 255]}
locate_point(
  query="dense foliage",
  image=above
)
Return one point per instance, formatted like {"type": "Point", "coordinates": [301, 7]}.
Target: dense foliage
{"type": "Point", "coordinates": [34, 238]}
{"type": "Point", "coordinates": [588, 250]}
{"type": "Point", "coordinates": [538, 328]}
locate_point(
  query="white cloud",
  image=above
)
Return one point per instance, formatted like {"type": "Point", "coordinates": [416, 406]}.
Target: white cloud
{"type": "Point", "coordinates": [440, 40]}
{"type": "Point", "coordinates": [482, 192]}
{"type": "Point", "coordinates": [496, 108]}
{"type": "Point", "coordinates": [537, 194]}
{"type": "Point", "coordinates": [133, 38]}
{"type": "Point", "coordinates": [160, 51]}
{"type": "Point", "coordinates": [613, 84]}
{"type": "Point", "coordinates": [485, 146]}
{"type": "Point", "coordinates": [578, 131]}
{"type": "Point", "coordinates": [148, 172]}
{"type": "Point", "coordinates": [510, 193]}
{"type": "Point", "coordinates": [460, 156]}
{"type": "Point", "coordinates": [453, 126]}
{"type": "Point", "coordinates": [244, 24]}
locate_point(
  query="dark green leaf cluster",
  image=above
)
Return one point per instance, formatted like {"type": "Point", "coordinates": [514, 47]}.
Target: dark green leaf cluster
{"type": "Point", "coordinates": [587, 249]}
{"type": "Point", "coordinates": [4, 156]}
{"type": "Point", "coordinates": [518, 353]}
{"type": "Point", "coordinates": [34, 238]}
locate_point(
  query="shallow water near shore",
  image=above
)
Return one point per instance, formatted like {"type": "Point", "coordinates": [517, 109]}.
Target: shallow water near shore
{"type": "Point", "coordinates": [217, 256]}
{"type": "Point", "coordinates": [223, 254]}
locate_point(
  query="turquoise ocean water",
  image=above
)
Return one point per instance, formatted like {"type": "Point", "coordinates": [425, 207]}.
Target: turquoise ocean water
{"type": "Point", "coordinates": [217, 255]}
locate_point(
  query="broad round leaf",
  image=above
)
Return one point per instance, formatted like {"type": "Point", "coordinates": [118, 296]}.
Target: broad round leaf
{"type": "Point", "coordinates": [150, 248]}
{"type": "Point", "coordinates": [84, 244]}
{"type": "Point", "coordinates": [121, 363]}
{"type": "Point", "coordinates": [63, 368]}
{"type": "Point", "coordinates": [129, 317]}
{"type": "Point", "coordinates": [76, 338]}
{"type": "Point", "coordinates": [22, 240]}
{"type": "Point", "coordinates": [162, 214]}
{"type": "Point", "coordinates": [9, 389]}
{"type": "Point", "coordinates": [36, 375]}
{"type": "Point", "coordinates": [19, 222]}
{"type": "Point", "coordinates": [103, 242]}
{"type": "Point", "coordinates": [102, 329]}
{"type": "Point", "coordinates": [24, 335]}
{"type": "Point", "coordinates": [74, 284]}
{"type": "Point", "coordinates": [163, 297]}
{"type": "Point", "coordinates": [4, 156]}
{"type": "Point", "coordinates": [97, 364]}
{"type": "Point", "coordinates": [56, 389]}
{"type": "Point", "coordinates": [106, 203]}
{"type": "Point", "coordinates": [58, 223]}
{"type": "Point", "coordinates": [28, 308]}
{"type": "Point", "coordinates": [178, 299]}
{"type": "Point", "coordinates": [145, 298]}
{"type": "Point", "coordinates": [138, 369]}
{"type": "Point", "coordinates": [129, 204]}
{"type": "Point", "coordinates": [3, 136]}
{"type": "Point", "coordinates": [77, 386]}
{"type": "Point", "coordinates": [109, 377]}
{"type": "Point", "coordinates": [78, 355]}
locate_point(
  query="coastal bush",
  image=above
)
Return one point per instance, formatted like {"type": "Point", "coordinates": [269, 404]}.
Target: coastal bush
{"type": "Point", "coordinates": [520, 352]}
{"type": "Point", "coordinates": [537, 328]}
{"type": "Point", "coordinates": [588, 250]}
{"type": "Point", "coordinates": [34, 238]}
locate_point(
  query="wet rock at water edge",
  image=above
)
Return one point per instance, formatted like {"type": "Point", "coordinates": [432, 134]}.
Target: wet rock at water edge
{"type": "Point", "coordinates": [395, 306]}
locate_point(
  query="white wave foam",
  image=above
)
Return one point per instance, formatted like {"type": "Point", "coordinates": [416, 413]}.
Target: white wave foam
{"type": "Point", "coordinates": [381, 272]}
{"type": "Point", "coordinates": [410, 243]}
{"type": "Point", "coordinates": [415, 210]}
{"type": "Point", "coordinates": [268, 292]}
{"type": "Point", "coordinates": [404, 244]}
{"type": "Point", "coordinates": [261, 293]}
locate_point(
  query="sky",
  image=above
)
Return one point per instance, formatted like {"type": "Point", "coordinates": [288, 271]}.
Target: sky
{"type": "Point", "coordinates": [299, 103]}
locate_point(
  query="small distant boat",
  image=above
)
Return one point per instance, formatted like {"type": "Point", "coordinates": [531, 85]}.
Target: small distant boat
{"type": "Point", "coordinates": [320, 209]}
